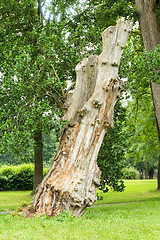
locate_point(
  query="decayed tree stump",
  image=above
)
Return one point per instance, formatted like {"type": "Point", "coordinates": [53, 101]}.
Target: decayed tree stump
{"type": "Point", "coordinates": [74, 175]}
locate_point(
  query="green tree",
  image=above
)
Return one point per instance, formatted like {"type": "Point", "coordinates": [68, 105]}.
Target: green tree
{"type": "Point", "coordinates": [143, 142]}
{"type": "Point", "coordinates": [31, 92]}
{"type": "Point", "coordinates": [38, 56]}
{"type": "Point", "coordinates": [141, 68]}
{"type": "Point", "coordinates": [111, 155]}
{"type": "Point", "coordinates": [50, 147]}
{"type": "Point", "coordinates": [148, 16]}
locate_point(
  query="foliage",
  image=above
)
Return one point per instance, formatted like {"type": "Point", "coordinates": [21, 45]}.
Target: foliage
{"type": "Point", "coordinates": [11, 159]}
{"type": "Point", "coordinates": [38, 57]}
{"type": "Point", "coordinates": [17, 177]}
{"type": "Point", "coordinates": [140, 67]}
{"type": "Point", "coordinates": [50, 144]}
{"type": "Point", "coordinates": [143, 69]}
{"type": "Point", "coordinates": [29, 87]}
{"type": "Point", "coordinates": [143, 142]}
{"type": "Point", "coordinates": [111, 155]}
{"type": "Point", "coordinates": [50, 147]}
{"type": "Point", "coordinates": [129, 173]}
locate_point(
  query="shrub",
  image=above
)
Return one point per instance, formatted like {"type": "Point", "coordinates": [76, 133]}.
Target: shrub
{"type": "Point", "coordinates": [129, 173]}
{"type": "Point", "coordinates": [18, 177]}
{"type": "Point", "coordinates": [3, 182]}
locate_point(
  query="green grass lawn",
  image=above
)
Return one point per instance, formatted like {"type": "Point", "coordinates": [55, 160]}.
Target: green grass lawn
{"type": "Point", "coordinates": [135, 190]}
{"type": "Point", "coordinates": [137, 221]}
{"type": "Point", "coordinates": [11, 200]}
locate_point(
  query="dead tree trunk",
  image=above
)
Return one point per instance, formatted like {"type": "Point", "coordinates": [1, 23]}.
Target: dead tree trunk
{"type": "Point", "coordinates": [74, 175]}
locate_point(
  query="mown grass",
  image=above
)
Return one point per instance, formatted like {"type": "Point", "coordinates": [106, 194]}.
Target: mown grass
{"type": "Point", "coordinates": [135, 190]}
{"type": "Point", "coordinates": [11, 200]}
{"type": "Point", "coordinates": [137, 221]}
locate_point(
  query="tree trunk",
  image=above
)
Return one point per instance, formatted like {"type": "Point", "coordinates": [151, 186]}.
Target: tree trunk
{"type": "Point", "coordinates": [146, 173]}
{"type": "Point", "coordinates": [151, 173]}
{"type": "Point", "coordinates": [141, 174]}
{"type": "Point", "coordinates": [150, 31]}
{"type": "Point", "coordinates": [156, 102]}
{"type": "Point", "coordinates": [158, 175]}
{"type": "Point", "coordinates": [38, 159]}
{"type": "Point", "coordinates": [74, 175]}
{"type": "Point", "coordinates": [148, 21]}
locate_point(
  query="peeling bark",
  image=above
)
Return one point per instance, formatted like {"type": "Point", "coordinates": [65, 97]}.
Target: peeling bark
{"type": "Point", "coordinates": [74, 175]}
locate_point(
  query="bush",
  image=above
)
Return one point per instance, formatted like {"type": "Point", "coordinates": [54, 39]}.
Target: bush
{"type": "Point", "coordinates": [129, 173]}
{"type": "Point", "coordinates": [3, 182]}
{"type": "Point", "coordinates": [17, 177]}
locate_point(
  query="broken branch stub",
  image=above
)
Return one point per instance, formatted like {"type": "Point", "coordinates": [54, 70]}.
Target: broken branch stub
{"type": "Point", "coordinates": [74, 175]}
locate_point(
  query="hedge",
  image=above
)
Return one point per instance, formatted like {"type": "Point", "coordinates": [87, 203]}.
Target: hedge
{"type": "Point", "coordinates": [18, 177]}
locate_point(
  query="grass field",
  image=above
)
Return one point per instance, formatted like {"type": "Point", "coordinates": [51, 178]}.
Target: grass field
{"type": "Point", "coordinates": [135, 190]}
{"type": "Point", "coordinates": [11, 200]}
{"type": "Point", "coordinates": [137, 221]}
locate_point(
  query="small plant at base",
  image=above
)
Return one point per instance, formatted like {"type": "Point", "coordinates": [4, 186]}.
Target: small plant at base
{"type": "Point", "coordinates": [99, 198]}
{"type": "Point", "coordinates": [24, 204]}
{"type": "Point", "coordinates": [65, 216]}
